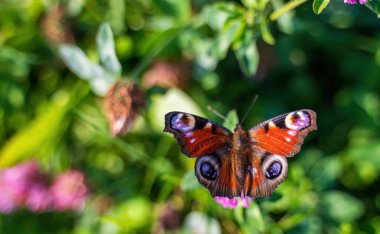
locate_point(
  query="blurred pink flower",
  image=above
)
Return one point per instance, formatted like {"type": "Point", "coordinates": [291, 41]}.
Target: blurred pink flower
{"type": "Point", "coordinates": [69, 191]}
{"type": "Point", "coordinates": [24, 185]}
{"type": "Point", "coordinates": [355, 1]}
{"type": "Point", "coordinates": [233, 202]}
{"type": "Point", "coordinates": [7, 201]}
{"type": "Point", "coordinates": [39, 198]}
{"type": "Point", "coordinates": [15, 183]}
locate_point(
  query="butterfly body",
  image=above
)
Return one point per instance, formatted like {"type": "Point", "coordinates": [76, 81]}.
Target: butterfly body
{"type": "Point", "coordinates": [243, 163]}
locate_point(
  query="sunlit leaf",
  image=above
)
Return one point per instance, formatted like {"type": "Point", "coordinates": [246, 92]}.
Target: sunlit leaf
{"type": "Point", "coordinates": [341, 206]}
{"type": "Point", "coordinates": [231, 120]}
{"type": "Point", "coordinates": [136, 210]}
{"type": "Point", "coordinates": [319, 5]}
{"type": "Point", "coordinates": [218, 14]}
{"type": "Point", "coordinates": [255, 218]}
{"type": "Point", "coordinates": [40, 135]}
{"type": "Point", "coordinates": [173, 100]}
{"type": "Point", "coordinates": [249, 3]}
{"type": "Point", "coordinates": [179, 10]}
{"type": "Point", "coordinates": [106, 49]}
{"type": "Point", "coordinates": [189, 181]}
{"type": "Point", "coordinates": [265, 31]}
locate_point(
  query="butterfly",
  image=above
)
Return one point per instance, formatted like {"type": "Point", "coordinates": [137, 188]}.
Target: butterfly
{"type": "Point", "coordinates": [243, 163]}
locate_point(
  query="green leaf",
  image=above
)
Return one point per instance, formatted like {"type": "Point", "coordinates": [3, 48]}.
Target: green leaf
{"type": "Point", "coordinates": [179, 10]}
{"type": "Point", "coordinates": [173, 100]}
{"type": "Point", "coordinates": [232, 30]}
{"type": "Point", "coordinates": [80, 65]}
{"type": "Point", "coordinates": [249, 3]}
{"type": "Point", "coordinates": [42, 133]}
{"type": "Point", "coordinates": [285, 8]}
{"type": "Point", "coordinates": [342, 207]}
{"type": "Point", "coordinates": [231, 120]}
{"type": "Point", "coordinates": [374, 5]}
{"type": "Point", "coordinates": [204, 52]}
{"type": "Point", "coordinates": [189, 181]}
{"type": "Point", "coordinates": [265, 31]}
{"type": "Point", "coordinates": [106, 49]}
{"type": "Point", "coordinates": [218, 14]}
{"type": "Point", "coordinates": [247, 54]}
{"type": "Point", "coordinates": [255, 218]}
{"type": "Point", "coordinates": [319, 5]}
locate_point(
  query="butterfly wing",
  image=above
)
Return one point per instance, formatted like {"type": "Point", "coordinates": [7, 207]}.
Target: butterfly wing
{"type": "Point", "coordinates": [197, 136]}
{"type": "Point", "coordinates": [215, 167]}
{"type": "Point", "coordinates": [219, 174]}
{"type": "Point", "coordinates": [271, 142]}
{"type": "Point", "coordinates": [284, 134]}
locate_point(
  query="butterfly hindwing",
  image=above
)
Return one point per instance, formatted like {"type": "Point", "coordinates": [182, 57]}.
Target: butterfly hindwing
{"type": "Point", "coordinates": [283, 135]}
{"type": "Point", "coordinates": [219, 174]}
{"type": "Point", "coordinates": [197, 136]}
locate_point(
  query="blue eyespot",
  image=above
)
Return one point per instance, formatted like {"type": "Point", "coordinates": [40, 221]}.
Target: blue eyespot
{"type": "Point", "coordinates": [274, 170]}
{"type": "Point", "coordinates": [208, 171]}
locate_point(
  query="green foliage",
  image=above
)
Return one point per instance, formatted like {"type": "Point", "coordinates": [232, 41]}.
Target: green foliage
{"type": "Point", "coordinates": [320, 5]}
{"type": "Point", "coordinates": [141, 182]}
{"type": "Point", "coordinates": [374, 5]}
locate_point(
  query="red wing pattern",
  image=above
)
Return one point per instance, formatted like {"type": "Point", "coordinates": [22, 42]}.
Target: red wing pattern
{"type": "Point", "coordinates": [197, 136]}
{"type": "Point", "coordinates": [284, 134]}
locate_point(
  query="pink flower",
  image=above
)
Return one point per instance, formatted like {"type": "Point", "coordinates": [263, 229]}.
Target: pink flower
{"type": "Point", "coordinates": [69, 191]}
{"type": "Point", "coordinates": [24, 185]}
{"type": "Point", "coordinates": [7, 201]}
{"type": "Point", "coordinates": [233, 202]}
{"type": "Point", "coordinates": [355, 1]}
{"type": "Point", "coordinates": [15, 183]}
{"type": "Point", "coordinates": [39, 198]}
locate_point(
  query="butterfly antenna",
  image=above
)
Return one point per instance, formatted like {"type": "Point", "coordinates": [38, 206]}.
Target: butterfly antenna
{"type": "Point", "coordinates": [249, 108]}
{"type": "Point", "coordinates": [216, 112]}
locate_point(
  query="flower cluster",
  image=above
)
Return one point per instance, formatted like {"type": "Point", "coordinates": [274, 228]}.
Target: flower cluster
{"type": "Point", "coordinates": [355, 1]}
{"type": "Point", "coordinates": [24, 185]}
{"type": "Point", "coordinates": [233, 202]}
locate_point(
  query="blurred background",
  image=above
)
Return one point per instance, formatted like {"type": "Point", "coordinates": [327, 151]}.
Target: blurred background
{"type": "Point", "coordinates": [83, 104]}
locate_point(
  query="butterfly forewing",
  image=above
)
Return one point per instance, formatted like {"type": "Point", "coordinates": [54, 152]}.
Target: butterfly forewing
{"type": "Point", "coordinates": [197, 136]}
{"type": "Point", "coordinates": [284, 134]}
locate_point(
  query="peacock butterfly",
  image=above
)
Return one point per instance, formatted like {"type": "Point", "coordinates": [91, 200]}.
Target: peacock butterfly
{"type": "Point", "coordinates": [243, 163]}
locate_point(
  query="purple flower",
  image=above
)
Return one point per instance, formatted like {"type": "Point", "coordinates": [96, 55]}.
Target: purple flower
{"type": "Point", "coordinates": [355, 1]}
{"type": "Point", "coordinates": [69, 191]}
{"type": "Point", "coordinates": [233, 202]}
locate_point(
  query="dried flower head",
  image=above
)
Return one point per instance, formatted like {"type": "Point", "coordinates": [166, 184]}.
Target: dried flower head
{"type": "Point", "coordinates": [124, 101]}
{"type": "Point", "coordinates": [169, 219]}
{"type": "Point", "coordinates": [164, 73]}
{"type": "Point", "coordinates": [55, 26]}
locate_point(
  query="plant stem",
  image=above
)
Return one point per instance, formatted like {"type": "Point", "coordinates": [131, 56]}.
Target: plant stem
{"type": "Point", "coordinates": [285, 8]}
